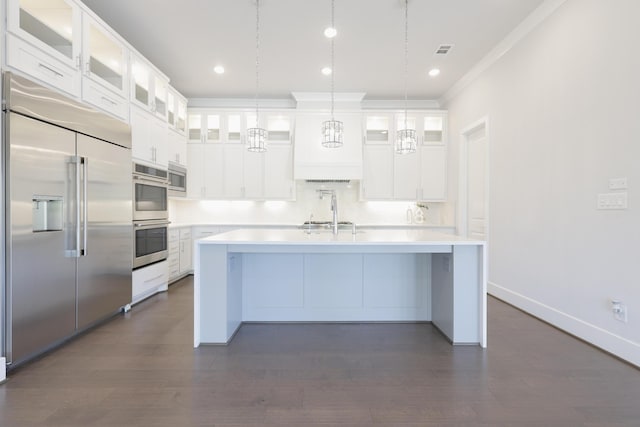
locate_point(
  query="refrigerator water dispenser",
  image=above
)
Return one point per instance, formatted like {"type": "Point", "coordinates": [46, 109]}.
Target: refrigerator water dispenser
{"type": "Point", "coordinates": [47, 213]}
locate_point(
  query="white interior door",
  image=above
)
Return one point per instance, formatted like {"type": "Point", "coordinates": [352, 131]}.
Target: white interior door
{"type": "Point", "coordinates": [475, 179]}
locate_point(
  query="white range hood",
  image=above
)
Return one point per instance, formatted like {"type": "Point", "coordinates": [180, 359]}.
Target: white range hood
{"type": "Point", "coordinates": [312, 161]}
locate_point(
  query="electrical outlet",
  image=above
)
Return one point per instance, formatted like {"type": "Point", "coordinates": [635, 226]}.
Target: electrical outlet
{"type": "Point", "coordinates": [609, 201]}
{"type": "Point", "coordinates": [617, 183]}
{"type": "Point", "coordinates": [619, 310]}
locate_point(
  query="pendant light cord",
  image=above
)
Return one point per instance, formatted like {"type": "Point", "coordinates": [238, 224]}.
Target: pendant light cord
{"type": "Point", "coordinates": [332, 61]}
{"type": "Point", "coordinates": [257, 56]}
{"type": "Point", "coordinates": [406, 57]}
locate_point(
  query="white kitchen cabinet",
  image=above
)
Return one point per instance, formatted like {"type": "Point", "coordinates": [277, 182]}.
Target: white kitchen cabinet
{"type": "Point", "coordinates": [173, 258]}
{"type": "Point", "coordinates": [230, 172]}
{"type": "Point", "coordinates": [180, 253]}
{"type": "Point", "coordinates": [253, 174]}
{"type": "Point", "coordinates": [278, 173]}
{"type": "Point", "coordinates": [176, 111]}
{"type": "Point", "coordinates": [44, 40]}
{"type": "Point", "coordinates": [233, 171]}
{"type": "Point", "coordinates": [416, 176]}
{"type": "Point", "coordinates": [206, 171]}
{"type": "Point", "coordinates": [148, 138]}
{"type": "Point", "coordinates": [177, 147]}
{"type": "Point", "coordinates": [433, 173]}
{"type": "Point", "coordinates": [149, 280]}
{"type": "Point", "coordinates": [149, 87]}
{"type": "Point", "coordinates": [186, 249]}
{"type": "Point", "coordinates": [377, 173]}
{"type": "Point", "coordinates": [204, 127]}
{"type": "Point", "coordinates": [104, 56]}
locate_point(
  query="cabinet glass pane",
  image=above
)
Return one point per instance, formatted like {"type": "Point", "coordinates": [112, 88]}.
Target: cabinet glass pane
{"type": "Point", "coordinates": [141, 82]}
{"type": "Point", "coordinates": [160, 92]}
{"type": "Point", "coordinates": [182, 114]}
{"type": "Point", "coordinates": [105, 57]}
{"type": "Point", "coordinates": [171, 114]}
{"type": "Point", "coordinates": [279, 128]}
{"type": "Point", "coordinates": [195, 127]}
{"type": "Point", "coordinates": [233, 130]}
{"type": "Point", "coordinates": [433, 127]}
{"type": "Point", "coordinates": [213, 127]}
{"type": "Point", "coordinates": [50, 21]}
{"type": "Point", "coordinates": [378, 128]}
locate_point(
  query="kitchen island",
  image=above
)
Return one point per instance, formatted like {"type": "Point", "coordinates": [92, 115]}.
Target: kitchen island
{"type": "Point", "coordinates": [284, 275]}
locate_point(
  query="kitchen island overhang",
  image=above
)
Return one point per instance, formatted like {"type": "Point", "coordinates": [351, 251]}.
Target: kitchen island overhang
{"type": "Point", "coordinates": [284, 275]}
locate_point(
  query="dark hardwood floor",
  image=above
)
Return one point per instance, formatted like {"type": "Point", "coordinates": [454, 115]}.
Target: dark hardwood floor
{"type": "Point", "coordinates": [140, 370]}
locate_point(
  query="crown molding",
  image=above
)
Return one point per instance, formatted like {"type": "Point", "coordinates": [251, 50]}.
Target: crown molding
{"type": "Point", "coordinates": [532, 21]}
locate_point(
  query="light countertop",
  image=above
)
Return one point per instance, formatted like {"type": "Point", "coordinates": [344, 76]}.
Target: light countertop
{"type": "Point", "coordinates": [362, 237]}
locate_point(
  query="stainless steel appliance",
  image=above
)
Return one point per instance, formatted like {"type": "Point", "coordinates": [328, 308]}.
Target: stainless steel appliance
{"type": "Point", "coordinates": [150, 242]}
{"type": "Point", "coordinates": [150, 190]}
{"type": "Point", "coordinates": [177, 180]}
{"type": "Point", "coordinates": [68, 213]}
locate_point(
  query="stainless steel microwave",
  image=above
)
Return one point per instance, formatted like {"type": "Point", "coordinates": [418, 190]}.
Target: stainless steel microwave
{"type": "Point", "coordinates": [177, 180]}
{"type": "Point", "coordinates": [150, 193]}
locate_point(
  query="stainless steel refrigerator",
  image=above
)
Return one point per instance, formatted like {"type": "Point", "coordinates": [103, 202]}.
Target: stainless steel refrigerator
{"type": "Point", "coordinates": [68, 217]}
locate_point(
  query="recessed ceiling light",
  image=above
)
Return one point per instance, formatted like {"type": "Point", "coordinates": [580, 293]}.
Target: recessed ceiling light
{"type": "Point", "coordinates": [434, 72]}
{"type": "Point", "coordinates": [218, 69]}
{"type": "Point", "coordinates": [330, 32]}
{"type": "Point", "coordinates": [326, 71]}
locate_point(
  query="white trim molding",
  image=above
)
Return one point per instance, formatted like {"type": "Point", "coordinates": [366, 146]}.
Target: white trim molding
{"type": "Point", "coordinates": [543, 11]}
{"type": "Point", "coordinates": [619, 346]}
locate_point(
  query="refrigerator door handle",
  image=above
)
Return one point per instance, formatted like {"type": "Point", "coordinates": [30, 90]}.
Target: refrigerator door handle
{"type": "Point", "coordinates": [84, 161]}
{"type": "Point", "coordinates": [72, 208]}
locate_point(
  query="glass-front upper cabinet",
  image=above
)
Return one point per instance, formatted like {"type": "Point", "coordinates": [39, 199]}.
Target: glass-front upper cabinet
{"type": "Point", "coordinates": [378, 128]}
{"type": "Point", "coordinates": [160, 93]}
{"type": "Point", "coordinates": [52, 25]}
{"type": "Point", "coordinates": [181, 118]}
{"type": "Point", "coordinates": [279, 127]}
{"type": "Point", "coordinates": [234, 127]}
{"type": "Point", "coordinates": [171, 108]}
{"type": "Point", "coordinates": [105, 57]}
{"type": "Point", "coordinates": [176, 110]}
{"type": "Point", "coordinates": [140, 82]}
{"type": "Point", "coordinates": [204, 127]}
{"type": "Point", "coordinates": [434, 129]}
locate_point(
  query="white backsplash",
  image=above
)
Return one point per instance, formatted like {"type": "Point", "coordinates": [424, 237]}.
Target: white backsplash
{"type": "Point", "coordinates": [307, 203]}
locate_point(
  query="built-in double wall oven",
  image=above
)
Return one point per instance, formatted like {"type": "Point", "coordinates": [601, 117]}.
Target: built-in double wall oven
{"type": "Point", "coordinates": [150, 215]}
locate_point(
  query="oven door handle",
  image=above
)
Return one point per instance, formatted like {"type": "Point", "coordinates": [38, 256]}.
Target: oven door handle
{"type": "Point", "coordinates": [150, 224]}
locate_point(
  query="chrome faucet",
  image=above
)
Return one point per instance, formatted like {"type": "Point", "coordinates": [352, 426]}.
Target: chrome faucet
{"type": "Point", "coordinates": [334, 207]}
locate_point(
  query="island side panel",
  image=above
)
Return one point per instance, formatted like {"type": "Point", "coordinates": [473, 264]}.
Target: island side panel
{"type": "Point", "coordinates": [442, 293]}
{"type": "Point", "coordinates": [212, 281]}
{"type": "Point", "coordinates": [467, 289]}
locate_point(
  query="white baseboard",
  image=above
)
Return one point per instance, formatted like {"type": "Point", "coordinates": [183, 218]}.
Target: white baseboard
{"type": "Point", "coordinates": [3, 369]}
{"type": "Point", "coordinates": [612, 343]}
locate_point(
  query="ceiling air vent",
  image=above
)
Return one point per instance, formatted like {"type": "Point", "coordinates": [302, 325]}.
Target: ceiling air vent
{"type": "Point", "coordinates": [443, 49]}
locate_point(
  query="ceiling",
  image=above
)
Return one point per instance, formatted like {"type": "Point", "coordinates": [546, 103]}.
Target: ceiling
{"type": "Point", "coordinates": [187, 38]}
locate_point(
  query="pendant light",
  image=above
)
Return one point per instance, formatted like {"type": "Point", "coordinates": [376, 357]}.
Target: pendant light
{"type": "Point", "coordinates": [406, 138]}
{"type": "Point", "coordinates": [257, 136]}
{"type": "Point", "coordinates": [332, 130]}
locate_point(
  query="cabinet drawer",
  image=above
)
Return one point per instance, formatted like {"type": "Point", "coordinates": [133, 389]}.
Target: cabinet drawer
{"type": "Point", "coordinates": [148, 280]}
{"type": "Point", "coordinates": [32, 61]}
{"type": "Point", "coordinates": [185, 233]}
{"type": "Point", "coordinates": [173, 235]}
{"type": "Point", "coordinates": [104, 99]}
{"type": "Point", "coordinates": [174, 247]}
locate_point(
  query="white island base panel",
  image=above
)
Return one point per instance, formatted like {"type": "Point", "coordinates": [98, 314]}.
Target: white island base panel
{"type": "Point", "coordinates": [293, 277]}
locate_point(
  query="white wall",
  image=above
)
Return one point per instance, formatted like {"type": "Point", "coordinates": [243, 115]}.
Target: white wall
{"type": "Point", "coordinates": [564, 114]}
{"type": "Point", "coordinates": [307, 203]}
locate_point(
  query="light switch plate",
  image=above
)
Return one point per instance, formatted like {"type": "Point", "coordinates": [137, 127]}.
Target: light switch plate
{"type": "Point", "coordinates": [612, 201]}
{"type": "Point", "coordinates": [617, 183]}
